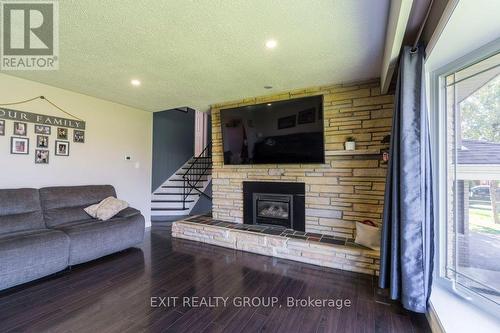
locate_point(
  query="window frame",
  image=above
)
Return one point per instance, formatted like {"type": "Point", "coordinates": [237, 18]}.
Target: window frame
{"type": "Point", "coordinates": [438, 117]}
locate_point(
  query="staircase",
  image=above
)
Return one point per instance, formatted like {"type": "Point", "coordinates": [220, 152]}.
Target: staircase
{"type": "Point", "coordinates": [179, 194]}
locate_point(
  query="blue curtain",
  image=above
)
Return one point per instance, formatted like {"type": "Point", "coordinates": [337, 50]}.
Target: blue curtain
{"type": "Point", "coordinates": [407, 230]}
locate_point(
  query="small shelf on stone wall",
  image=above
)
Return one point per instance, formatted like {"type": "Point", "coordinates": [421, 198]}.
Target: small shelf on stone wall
{"type": "Point", "coordinates": [353, 152]}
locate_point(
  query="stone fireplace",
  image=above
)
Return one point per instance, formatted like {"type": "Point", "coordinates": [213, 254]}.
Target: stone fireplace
{"type": "Point", "coordinates": [348, 187]}
{"type": "Point", "coordinates": [277, 204]}
{"type": "Point", "coordinates": [304, 212]}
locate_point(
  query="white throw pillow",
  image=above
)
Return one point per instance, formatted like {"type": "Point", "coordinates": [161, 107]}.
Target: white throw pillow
{"type": "Point", "coordinates": [106, 209]}
{"type": "Point", "coordinates": [368, 236]}
{"type": "Point", "coordinates": [92, 210]}
{"type": "Point", "coordinates": [109, 207]}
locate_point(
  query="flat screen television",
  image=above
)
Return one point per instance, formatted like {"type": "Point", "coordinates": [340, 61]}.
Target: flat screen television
{"type": "Point", "coordinates": [285, 132]}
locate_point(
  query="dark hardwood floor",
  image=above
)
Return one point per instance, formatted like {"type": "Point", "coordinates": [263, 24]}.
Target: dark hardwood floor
{"type": "Point", "coordinates": [113, 294]}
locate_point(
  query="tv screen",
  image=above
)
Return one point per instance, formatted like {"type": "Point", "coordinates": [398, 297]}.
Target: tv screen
{"type": "Point", "coordinates": [288, 132]}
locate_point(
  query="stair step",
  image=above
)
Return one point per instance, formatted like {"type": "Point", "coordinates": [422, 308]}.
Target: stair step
{"type": "Point", "coordinates": [169, 198]}
{"type": "Point", "coordinates": [181, 180]}
{"type": "Point", "coordinates": [180, 191]}
{"type": "Point", "coordinates": [167, 213]}
{"type": "Point", "coordinates": [174, 186]}
{"type": "Point", "coordinates": [177, 190]}
{"type": "Point", "coordinates": [171, 205]}
{"type": "Point", "coordinates": [185, 168]}
{"type": "Point", "coordinates": [177, 204]}
{"type": "Point", "coordinates": [192, 193]}
{"type": "Point", "coordinates": [195, 162]}
{"type": "Point", "coordinates": [179, 201]}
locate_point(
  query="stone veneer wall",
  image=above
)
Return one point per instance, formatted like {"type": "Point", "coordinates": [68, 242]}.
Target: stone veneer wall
{"type": "Point", "coordinates": [343, 190]}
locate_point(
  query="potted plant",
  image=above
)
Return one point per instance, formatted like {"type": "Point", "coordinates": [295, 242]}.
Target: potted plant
{"type": "Point", "coordinates": [350, 143]}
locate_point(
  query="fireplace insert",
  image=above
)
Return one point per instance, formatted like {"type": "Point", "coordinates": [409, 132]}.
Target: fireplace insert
{"type": "Point", "coordinates": [273, 209]}
{"type": "Point", "coordinates": [275, 204]}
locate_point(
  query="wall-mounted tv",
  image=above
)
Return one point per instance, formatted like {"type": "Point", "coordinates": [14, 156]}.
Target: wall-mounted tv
{"type": "Point", "coordinates": [288, 132]}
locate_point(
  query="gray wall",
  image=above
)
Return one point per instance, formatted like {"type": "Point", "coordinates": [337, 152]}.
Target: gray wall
{"type": "Point", "coordinates": [204, 205]}
{"type": "Point", "coordinates": [173, 143]}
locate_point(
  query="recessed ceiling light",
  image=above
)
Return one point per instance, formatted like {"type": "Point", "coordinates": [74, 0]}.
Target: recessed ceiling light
{"type": "Point", "coordinates": [268, 87]}
{"type": "Point", "coordinates": [135, 82]}
{"type": "Point", "coordinates": [271, 44]}
{"type": "Point", "coordinates": [269, 104]}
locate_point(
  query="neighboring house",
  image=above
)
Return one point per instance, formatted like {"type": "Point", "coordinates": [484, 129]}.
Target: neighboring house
{"type": "Point", "coordinates": [474, 158]}
{"type": "Point", "coordinates": [479, 152]}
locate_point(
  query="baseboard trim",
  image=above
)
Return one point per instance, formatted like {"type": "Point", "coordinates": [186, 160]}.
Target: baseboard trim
{"type": "Point", "coordinates": [433, 320]}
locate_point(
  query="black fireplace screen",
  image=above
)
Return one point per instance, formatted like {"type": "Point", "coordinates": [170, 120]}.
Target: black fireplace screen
{"type": "Point", "coordinates": [272, 208]}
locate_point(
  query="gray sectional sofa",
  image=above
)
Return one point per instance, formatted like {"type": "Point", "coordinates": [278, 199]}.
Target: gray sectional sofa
{"type": "Point", "coordinates": [43, 231]}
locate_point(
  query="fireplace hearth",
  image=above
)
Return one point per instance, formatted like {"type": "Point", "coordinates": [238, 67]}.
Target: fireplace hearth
{"type": "Point", "coordinates": [274, 204]}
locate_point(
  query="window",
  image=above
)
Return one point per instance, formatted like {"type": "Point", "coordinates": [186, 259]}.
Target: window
{"type": "Point", "coordinates": [470, 172]}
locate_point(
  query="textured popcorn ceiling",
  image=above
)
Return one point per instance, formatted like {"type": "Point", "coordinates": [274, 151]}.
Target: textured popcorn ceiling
{"type": "Point", "coordinates": [200, 52]}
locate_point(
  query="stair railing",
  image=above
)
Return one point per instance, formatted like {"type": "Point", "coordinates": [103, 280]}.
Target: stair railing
{"type": "Point", "coordinates": [195, 173]}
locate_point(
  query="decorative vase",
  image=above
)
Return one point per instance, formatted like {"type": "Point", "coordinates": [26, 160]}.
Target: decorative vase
{"type": "Point", "coordinates": [350, 145]}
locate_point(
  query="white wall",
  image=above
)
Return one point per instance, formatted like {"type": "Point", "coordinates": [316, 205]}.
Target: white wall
{"type": "Point", "coordinates": [113, 131]}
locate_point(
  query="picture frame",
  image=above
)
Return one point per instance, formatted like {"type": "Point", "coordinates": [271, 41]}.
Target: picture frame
{"type": "Point", "coordinates": [62, 133]}
{"type": "Point", "coordinates": [78, 136]}
{"type": "Point", "coordinates": [41, 156]}
{"type": "Point", "coordinates": [307, 116]}
{"type": "Point", "coordinates": [20, 128]}
{"type": "Point", "coordinates": [2, 127]}
{"type": "Point", "coordinates": [19, 146]}
{"type": "Point", "coordinates": [42, 129]}
{"type": "Point", "coordinates": [61, 148]}
{"type": "Point", "coordinates": [42, 141]}
{"type": "Point", "coordinates": [287, 122]}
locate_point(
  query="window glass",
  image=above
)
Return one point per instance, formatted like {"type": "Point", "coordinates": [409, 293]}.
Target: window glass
{"type": "Point", "coordinates": [473, 183]}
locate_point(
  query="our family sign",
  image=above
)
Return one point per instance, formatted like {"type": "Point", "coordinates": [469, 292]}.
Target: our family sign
{"type": "Point", "coordinates": [40, 119]}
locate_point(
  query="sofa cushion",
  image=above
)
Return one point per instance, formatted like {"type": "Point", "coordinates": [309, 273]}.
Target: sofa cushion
{"type": "Point", "coordinates": [66, 204]}
{"type": "Point", "coordinates": [20, 210]}
{"type": "Point", "coordinates": [128, 212]}
{"type": "Point", "coordinates": [91, 239]}
{"type": "Point", "coordinates": [61, 227]}
{"type": "Point", "coordinates": [29, 255]}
